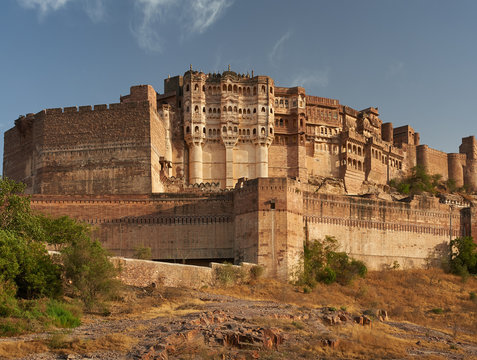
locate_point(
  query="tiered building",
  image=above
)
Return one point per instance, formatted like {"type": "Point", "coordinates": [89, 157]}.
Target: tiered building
{"type": "Point", "coordinates": [208, 133]}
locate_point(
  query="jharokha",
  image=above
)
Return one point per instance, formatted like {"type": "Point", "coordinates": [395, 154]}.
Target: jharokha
{"type": "Point", "coordinates": [232, 167]}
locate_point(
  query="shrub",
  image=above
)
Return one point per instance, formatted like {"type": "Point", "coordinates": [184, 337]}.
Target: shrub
{"type": "Point", "coordinates": [322, 263]}
{"type": "Point", "coordinates": [142, 253]}
{"type": "Point", "coordinates": [61, 316]}
{"type": "Point", "coordinates": [228, 274]}
{"type": "Point", "coordinates": [463, 256]}
{"type": "Point", "coordinates": [417, 182]}
{"type": "Point", "coordinates": [88, 271]}
{"type": "Point", "coordinates": [256, 272]}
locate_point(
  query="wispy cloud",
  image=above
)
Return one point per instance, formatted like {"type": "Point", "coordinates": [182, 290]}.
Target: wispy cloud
{"type": "Point", "coordinates": [43, 6]}
{"type": "Point", "coordinates": [277, 50]}
{"type": "Point", "coordinates": [95, 9]}
{"type": "Point", "coordinates": [195, 17]}
{"type": "Point", "coordinates": [312, 79]}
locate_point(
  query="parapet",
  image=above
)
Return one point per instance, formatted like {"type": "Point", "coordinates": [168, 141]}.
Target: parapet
{"type": "Point", "coordinates": [141, 93]}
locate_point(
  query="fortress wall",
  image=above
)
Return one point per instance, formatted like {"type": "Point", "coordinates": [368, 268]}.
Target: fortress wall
{"type": "Point", "coordinates": [279, 156]}
{"type": "Point", "coordinates": [88, 151]}
{"type": "Point", "coordinates": [174, 227]}
{"type": "Point", "coordinates": [213, 162]}
{"type": "Point", "coordinates": [456, 164]}
{"type": "Point", "coordinates": [381, 232]}
{"type": "Point", "coordinates": [20, 155]}
{"type": "Point", "coordinates": [434, 161]}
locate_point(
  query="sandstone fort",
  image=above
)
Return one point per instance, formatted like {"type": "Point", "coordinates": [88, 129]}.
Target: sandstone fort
{"type": "Point", "coordinates": [232, 167]}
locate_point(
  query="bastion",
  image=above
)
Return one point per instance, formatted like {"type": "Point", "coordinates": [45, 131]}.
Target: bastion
{"type": "Point", "coordinates": [231, 167]}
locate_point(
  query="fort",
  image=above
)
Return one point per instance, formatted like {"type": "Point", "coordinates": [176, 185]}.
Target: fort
{"type": "Point", "coordinates": [231, 167]}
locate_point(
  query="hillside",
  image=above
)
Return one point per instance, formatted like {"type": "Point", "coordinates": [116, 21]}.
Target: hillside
{"type": "Point", "coordinates": [431, 315]}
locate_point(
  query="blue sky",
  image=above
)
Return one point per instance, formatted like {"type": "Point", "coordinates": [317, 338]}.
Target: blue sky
{"type": "Point", "coordinates": [414, 59]}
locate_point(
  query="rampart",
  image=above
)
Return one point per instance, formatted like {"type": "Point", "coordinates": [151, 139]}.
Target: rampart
{"type": "Point", "coordinates": [265, 221]}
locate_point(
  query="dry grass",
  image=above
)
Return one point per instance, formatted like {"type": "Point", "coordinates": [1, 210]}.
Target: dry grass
{"type": "Point", "coordinates": [18, 349]}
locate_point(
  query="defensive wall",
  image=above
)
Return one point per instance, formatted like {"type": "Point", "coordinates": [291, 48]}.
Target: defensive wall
{"type": "Point", "coordinates": [265, 221]}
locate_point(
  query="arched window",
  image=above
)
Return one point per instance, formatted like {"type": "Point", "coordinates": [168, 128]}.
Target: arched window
{"type": "Point", "coordinates": [271, 131]}
{"type": "Point", "coordinates": [224, 109]}
{"type": "Point", "coordinates": [218, 131]}
{"type": "Point", "coordinates": [196, 109]}
{"type": "Point", "coordinates": [248, 111]}
{"type": "Point", "coordinates": [203, 109]}
{"type": "Point", "coordinates": [210, 132]}
{"type": "Point", "coordinates": [354, 164]}
{"type": "Point", "coordinates": [235, 88]}
{"type": "Point", "coordinates": [263, 89]}
{"type": "Point", "coordinates": [187, 87]}
{"type": "Point", "coordinates": [224, 130]}
{"type": "Point", "coordinates": [235, 129]}
{"type": "Point", "coordinates": [271, 90]}
{"type": "Point", "coordinates": [271, 111]}
{"type": "Point", "coordinates": [196, 87]}
{"type": "Point", "coordinates": [254, 131]}
{"type": "Point", "coordinates": [224, 88]}
{"type": "Point", "coordinates": [254, 110]}
{"type": "Point", "coordinates": [203, 130]}
{"type": "Point", "coordinates": [240, 131]}
{"type": "Point", "coordinates": [262, 131]}
{"type": "Point", "coordinates": [210, 110]}
{"type": "Point", "coordinates": [240, 111]}
{"type": "Point", "coordinates": [286, 122]}
{"type": "Point", "coordinates": [214, 132]}
{"type": "Point", "coordinates": [281, 122]}
{"type": "Point", "coordinates": [196, 129]}
{"type": "Point", "coordinates": [354, 149]}
{"type": "Point", "coordinates": [240, 90]}
{"type": "Point", "coordinates": [229, 88]}
{"type": "Point", "coordinates": [235, 109]}
{"type": "Point", "coordinates": [229, 109]}
{"type": "Point", "coordinates": [248, 91]}
{"type": "Point", "coordinates": [187, 109]}
{"type": "Point", "coordinates": [359, 165]}
{"type": "Point", "coordinates": [248, 131]}
{"type": "Point", "coordinates": [214, 111]}
{"type": "Point", "coordinates": [187, 130]}
{"type": "Point", "coordinates": [230, 129]}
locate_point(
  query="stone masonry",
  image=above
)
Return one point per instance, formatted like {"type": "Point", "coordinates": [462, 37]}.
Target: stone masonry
{"type": "Point", "coordinates": [171, 171]}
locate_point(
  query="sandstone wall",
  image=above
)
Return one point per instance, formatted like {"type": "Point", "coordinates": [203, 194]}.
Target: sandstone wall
{"type": "Point", "coordinates": [434, 161]}
{"type": "Point", "coordinates": [381, 232]}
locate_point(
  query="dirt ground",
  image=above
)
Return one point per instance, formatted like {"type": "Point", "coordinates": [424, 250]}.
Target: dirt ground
{"type": "Point", "coordinates": [388, 315]}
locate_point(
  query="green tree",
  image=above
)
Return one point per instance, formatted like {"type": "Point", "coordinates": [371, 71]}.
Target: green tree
{"type": "Point", "coordinates": [323, 263]}
{"type": "Point", "coordinates": [463, 256]}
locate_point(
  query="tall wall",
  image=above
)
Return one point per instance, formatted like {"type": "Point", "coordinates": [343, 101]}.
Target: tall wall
{"type": "Point", "coordinates": [381, 232]}
{"type": "Point", "coordinates": [85, 150]}
{"type": "Point", "coordinates": [184, 228]}
{"type": "Point", "coordinates": [434, 161]}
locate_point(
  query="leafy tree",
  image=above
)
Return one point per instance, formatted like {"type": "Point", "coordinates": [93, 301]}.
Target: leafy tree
{"type": "Point", "coordinates": [417, 182]}
{"type": "Point", "coordinates": [463, 256]}
{"type": "Point", "coordinates": [88, 271]}
{"type": "Point", "coordinates": [322, 263]}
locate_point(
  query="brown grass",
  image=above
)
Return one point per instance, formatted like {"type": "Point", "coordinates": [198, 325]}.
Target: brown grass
{"type": "Point", "coordinates": [18, 349]}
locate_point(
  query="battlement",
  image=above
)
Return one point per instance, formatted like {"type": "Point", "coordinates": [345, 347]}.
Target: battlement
{"type": "Point", "coordinates": [316, 100]}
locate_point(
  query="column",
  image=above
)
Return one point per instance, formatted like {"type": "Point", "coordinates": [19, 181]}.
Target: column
{"type": "Point", "coordinates": [195, 163]}
{"type": "Point", "coordinates": [261, 160]}
{"type": "Point", "coordinates": [229, 166]}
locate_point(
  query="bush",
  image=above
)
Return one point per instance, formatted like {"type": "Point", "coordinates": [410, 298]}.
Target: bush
{"type": "Point", "coordinates": [256, 272]}
{"type": "Point", "coordinates": [228, 274]}
{"type": "Point", "coordinates": [61, 316]}
{"type": "Point", "coordinates": [142, 253]}
{"type": "Point", "coordinates": [88, 272]}
{"type": "Point", "coordinates": [463, 256]}
{"type": "Point", "coordinates": [418, 181]}
{"type": "Point", "coordinates": [322, 263]}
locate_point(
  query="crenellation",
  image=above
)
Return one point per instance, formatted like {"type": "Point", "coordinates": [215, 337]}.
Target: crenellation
{"type": "Point", "coordinates": [227, 166]}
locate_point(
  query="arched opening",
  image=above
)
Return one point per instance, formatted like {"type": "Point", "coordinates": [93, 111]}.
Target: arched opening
{"type": "Point", "coordinates": [230, 129]}
{"type": "Point", "coordinates": [271, 131]}
{"type": "Point", "coordinates": [218, 111]}
{"type": "Point", "coordinates": [248, 91]}
{"type": "Point", "coordinates": [224, 88]}
{"type": "Point", "coordinates": [203, 130]}
{"type": "Point", "coordinates": [196, 129]}
{"type": "Point", "coordinates": [354, 149]}
{"type": "Point", "coordinates": [271, 90]}
{"type": "Point", "coordinates": [263, 109]}
{"type": "Point", "coordinates": [214, 132]}
{"type": "Point", "coordinates": [203, 109]}
{"type": "Point", "coordinates": [187, 130]}
{"type": "Point", "coordinates": [254, 110]}
{"type": "Point", "coordinates": [224, 109]}
{"type": "Point", "coordinates": [214, 111]}
{"type": "Point", "coordinates": [196, 109]}
{"type": "Point", "coordinates": [248, 111]}
{"type": "Point", "coordinates": [271, 111]}
{"type": "Point", "coordinates": [262, 131]}
{"type": "Point", "coordinates": [224, 130]}
{"type": "Point", "coordinates": [229, 109]}
{"type": "Point", "coordinates": [196, 87]}
{"type": "Point", "coordinates": [359, 165]}
{"type": "Point", "coordinates": [235, 109]}
{"type": "Point", "coordinates": [229, 88]}
{"type": "Point", "coordinates": [263, 89]}
{"type": "Point", "coordinates": [235, 88]}
{"type": "Point", "coordinates": [240, 111]}
{"type": "Point", "coordinates": [254, 131]}
{"type": "Point", "coordinates": [281, 122]}
{"type": "Point", "coordinates": [240, 90]}
{"type": "Point", "coordinates": [235, 129]}
{"type": "Point", "coordinates": [187, 87]}
{"type": "Point", "coordinates": [240, 131]}
{"type": "Point", "coordinates": [187, 109]}
{"type": "Point", "coordinates": [354, 164]}
{"type": "Point", "coordinates": [210, 110]}
{"type": "Point", "coordinates": [248, 131]}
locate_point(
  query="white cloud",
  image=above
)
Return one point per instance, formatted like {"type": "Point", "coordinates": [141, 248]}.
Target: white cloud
{"type": "Point", "coordinates": [277, 50]}
{"type": "Point", "coordinates": [43, 6]}
{"type": "Point", "coordinates": [95, 9]}
{"type": "Point", "coordinates": [194, 16]}
{"type": "Point", "coordinates": [312, 79]}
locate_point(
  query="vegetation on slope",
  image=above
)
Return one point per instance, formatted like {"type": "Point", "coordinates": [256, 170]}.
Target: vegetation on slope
{"type": "Point", "coordinates": [32, 282]}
